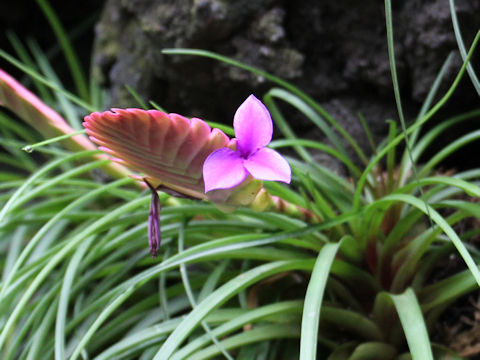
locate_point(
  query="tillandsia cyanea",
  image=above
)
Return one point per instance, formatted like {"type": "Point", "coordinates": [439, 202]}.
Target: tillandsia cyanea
{"type": "Point", "coordinates": [185, 157]}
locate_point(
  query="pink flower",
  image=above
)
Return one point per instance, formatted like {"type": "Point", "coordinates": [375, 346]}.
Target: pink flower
{"type": "Point", "coordinates": [225, 168]}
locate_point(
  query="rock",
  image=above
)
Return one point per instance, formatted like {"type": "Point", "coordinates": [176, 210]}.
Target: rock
{"type": "Point", "coordinates": [334, 51]}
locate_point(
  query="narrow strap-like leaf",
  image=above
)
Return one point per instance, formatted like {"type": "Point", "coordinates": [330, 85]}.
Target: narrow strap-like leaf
{"type": "Point", "coordinates": [440, 221]}
{"type": "Point", "coordinates": [413, 325]}
{"type": "Point", "coordinates": [313, 301]}
{"type": "Point", "coordinates": [220, 296]}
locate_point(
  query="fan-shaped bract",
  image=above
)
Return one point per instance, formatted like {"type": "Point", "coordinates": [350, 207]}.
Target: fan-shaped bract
{"type": "Point", "coordinates": [168, 149]}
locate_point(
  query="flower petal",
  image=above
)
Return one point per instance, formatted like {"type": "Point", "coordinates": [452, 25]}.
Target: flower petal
{"type": "Point", "coordinates": [267, 164]}
{"type": "Point", "coordinates": [253, 126]}
{"type": "Point", "coordinates": [223, 169]}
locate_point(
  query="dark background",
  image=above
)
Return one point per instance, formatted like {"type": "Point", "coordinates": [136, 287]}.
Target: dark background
{"type": "Point", "coordinates": [335, 51]}
{"type": "Point", "coordinates": [25, 19]}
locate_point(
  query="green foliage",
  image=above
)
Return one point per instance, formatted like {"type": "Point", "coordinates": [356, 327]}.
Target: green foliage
{"type": "Point", "coordinates": [356, 279]}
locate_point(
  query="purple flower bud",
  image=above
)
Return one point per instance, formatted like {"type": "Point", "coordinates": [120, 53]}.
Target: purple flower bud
{"type": "Point", "coordinates": [154, 232]}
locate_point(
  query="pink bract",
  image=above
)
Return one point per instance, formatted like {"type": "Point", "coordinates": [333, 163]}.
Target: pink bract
{"type": "Point", "coordinates": [168, 148]}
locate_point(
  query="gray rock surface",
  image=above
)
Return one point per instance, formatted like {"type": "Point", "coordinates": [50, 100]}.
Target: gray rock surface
{"type": "Point", "coordinates": [335, 51]}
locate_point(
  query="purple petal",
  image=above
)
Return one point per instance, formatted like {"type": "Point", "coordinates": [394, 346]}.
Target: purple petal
{"type": "Point", "coordinates": [253, 126]}
{"type": "Point", "coordinates": [223, 169]}
{"type": "Point", "coordinates": [267, 164]}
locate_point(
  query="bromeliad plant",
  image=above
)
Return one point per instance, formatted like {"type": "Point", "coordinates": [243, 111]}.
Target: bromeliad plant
{"type": "Point", "coordinates": [186, 158]}
{"type": "Point", "coordinates": [327, 267]}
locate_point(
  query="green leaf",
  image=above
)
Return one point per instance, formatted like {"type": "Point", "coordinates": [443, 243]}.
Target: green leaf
{"type": "Point", "coordinates": [69, 52]}
{"type": "Point", "coordinates": [220, 296]}
{"type": "Point", "coordinates": [257, 334]}
{"type": "Point", "coordinates": [65, 296]}
{"type": "Point", "coordinates": [447, 290]}
{"type": "Point", "coordinates": [301, 106]}
{"type": "Point", "coordinates": [373, 351]}
{"type": "Point", "coordinates": [461, 47]}
{"type": "Point", "coordinates": [442, 223]}
{"type": "Point", "coordinates": [265, 313]}
{"type": "Point", "coordinates": [413, 325]}
{"type": "Point", "coordinates": [313, 301]}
